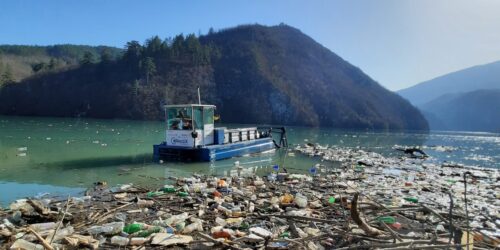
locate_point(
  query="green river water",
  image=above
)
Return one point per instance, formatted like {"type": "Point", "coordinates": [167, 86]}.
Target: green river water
{"type": "Point", "coordinates": [64, 156]}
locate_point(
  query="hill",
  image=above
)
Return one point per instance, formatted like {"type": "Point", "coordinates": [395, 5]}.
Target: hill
{"type": "Point", "coordinates": [471, 111]}
{"type": "Point", "coordinates": [475, 78]}
{"type": "Point", "coordinates": [18, 62]}
{"type": "Point", "coordinates": [273, 75]}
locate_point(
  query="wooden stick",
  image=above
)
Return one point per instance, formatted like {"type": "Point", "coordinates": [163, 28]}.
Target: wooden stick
{"type": "Point", "coordinates": [60, 222]}
{"type": "Point", "coordinates": [40, 238]}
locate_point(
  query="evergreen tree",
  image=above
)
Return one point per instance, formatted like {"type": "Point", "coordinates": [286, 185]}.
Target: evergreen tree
{"type": "Point", "coordinates": [133, 51]}
{"type": "Point", "coordinates": [153, 46]}
{"type": "Point", "coordinates": [88, 58]}
{"type": "Point", "coordinates": [178, 46]}
{"type": "Point", "coordinates": [149, 68]}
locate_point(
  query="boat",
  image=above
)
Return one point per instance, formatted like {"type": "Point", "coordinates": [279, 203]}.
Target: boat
{"type": "Point", "coordinates": [191, 136]}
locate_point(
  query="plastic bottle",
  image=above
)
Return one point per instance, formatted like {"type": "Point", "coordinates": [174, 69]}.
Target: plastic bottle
{"type": "Point", "coordinates": [411, 199]}
{"type": "Point", "coordinates": [120, 241]}
{"type": "Point", "coordinates": [300, 200]}
{"type": "Point", "coordinates": [109, 228]}
{"type": "Point", "coordinates": [138, 241]}
{"type": "Point", "coordinates": [23, 244]}
{"type": "Point", "coordinates": [43, 226]}
{"type": "Point", "coordinates": [174, 219]}
{"type": "Point", "coordinates": [169, 189]}
{"type": "Point", "coordinates": [387, 219]}
{"type": "Point", "coordinates": [132, 228]}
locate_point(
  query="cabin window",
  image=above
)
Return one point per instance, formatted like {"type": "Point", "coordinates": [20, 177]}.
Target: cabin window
{"type": "Point", "coordinates": [198, 117]}
{"type": "Point", "coordinates": [180, 118]}
{"type": "Point", "coordinates": [208, 116]}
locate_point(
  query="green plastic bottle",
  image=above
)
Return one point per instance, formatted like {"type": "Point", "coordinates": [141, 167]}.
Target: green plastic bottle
{"type": "Point", "coordinates": [411, 199]}
{"type": "Point", "coordinates": [387, 219]}
{"type": "Point", "coordinates": [132, 228]}
{"type": "Point", "coordinates": [169, 189]}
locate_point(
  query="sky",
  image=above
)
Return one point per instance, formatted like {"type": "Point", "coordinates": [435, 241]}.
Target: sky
{"type": "Point", "coordinates": [398, 43]}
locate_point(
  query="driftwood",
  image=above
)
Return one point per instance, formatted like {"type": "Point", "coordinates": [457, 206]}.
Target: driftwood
{"type": "Point", "coordinates": [355, 215]}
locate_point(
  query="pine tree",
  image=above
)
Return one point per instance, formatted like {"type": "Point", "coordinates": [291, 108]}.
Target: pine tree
{"type": "Point", "coordinates": [149, 68]}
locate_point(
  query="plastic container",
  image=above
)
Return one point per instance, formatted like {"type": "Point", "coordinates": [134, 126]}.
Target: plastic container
{"type": "Point", "coordinates": [300, 200]}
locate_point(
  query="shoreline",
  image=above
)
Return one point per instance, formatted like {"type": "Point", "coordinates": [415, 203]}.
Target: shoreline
{"type": "Point", "coordinates": [359, 204]}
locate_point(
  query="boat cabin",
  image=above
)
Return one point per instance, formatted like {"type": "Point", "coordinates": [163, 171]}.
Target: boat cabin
{"type": "Point", "coordinates": [189, 125]}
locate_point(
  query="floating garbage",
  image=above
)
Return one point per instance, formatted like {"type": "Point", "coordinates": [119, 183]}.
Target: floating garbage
{"type": "Point", "coordinates": [355, 205]}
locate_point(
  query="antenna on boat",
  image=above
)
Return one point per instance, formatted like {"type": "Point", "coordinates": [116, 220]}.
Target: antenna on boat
{"type": "Point", "coordinates": [199, 98]}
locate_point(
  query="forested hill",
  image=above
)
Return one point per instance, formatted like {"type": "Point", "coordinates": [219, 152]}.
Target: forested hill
{"type": "Point", "coordinates": [253, 73]}
{"type": "Point", "coordinates": [18, 62]}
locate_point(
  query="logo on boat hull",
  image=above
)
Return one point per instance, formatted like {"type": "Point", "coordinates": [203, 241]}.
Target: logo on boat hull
{"type": "Point", "coordinates": [179, 141]}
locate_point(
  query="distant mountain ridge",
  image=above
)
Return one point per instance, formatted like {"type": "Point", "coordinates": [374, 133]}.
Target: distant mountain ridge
{"type": "Point", "coordinates": [253, 73]}
{"type": "Point", "coordinates": [471, 111]}
{"type": "Point", "coordinates": [485, 76]}
{"type": "Point", "coordinates": [465, 100]}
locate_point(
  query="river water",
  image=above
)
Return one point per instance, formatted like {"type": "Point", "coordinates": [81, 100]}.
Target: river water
{"type": "Point", "coordinates": [64, 156]}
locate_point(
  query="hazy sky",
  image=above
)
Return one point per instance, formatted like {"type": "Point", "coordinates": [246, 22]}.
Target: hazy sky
{"type": "Point", "coordinates": [398, 43]}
